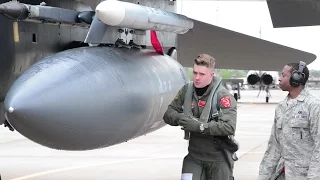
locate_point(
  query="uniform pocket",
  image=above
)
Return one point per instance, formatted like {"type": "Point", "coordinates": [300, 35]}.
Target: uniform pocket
{"type": "Point", "coordinates": [301, 171]}
{"type": "Point", "coordinates": [299, 123]}
{"type": "Point", "coordinates": [300, 128]}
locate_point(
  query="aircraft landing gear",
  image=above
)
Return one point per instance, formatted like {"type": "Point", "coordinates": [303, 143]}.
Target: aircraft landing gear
{"type": "Point", "coordinates": [235, 95]}
{"type": "Point", "coordinates": [268, 94]}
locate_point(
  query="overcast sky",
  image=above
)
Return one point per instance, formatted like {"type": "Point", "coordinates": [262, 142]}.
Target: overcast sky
{"type": "Point", "coordinates": [248, 17]}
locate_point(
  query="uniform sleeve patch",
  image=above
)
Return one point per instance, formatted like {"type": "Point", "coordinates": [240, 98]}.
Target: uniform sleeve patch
{"type": "Point", "coordinates": [178, 94]}
{"type": "Point", "coordinates": [225, 102]}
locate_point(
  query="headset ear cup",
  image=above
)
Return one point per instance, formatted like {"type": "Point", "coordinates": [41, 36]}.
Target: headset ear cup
{"type": "Point", "coordinates": [297, 76]}
{"type": "Point", "coordinates": [293, 83]}
{"type": "Point", "coordinates": [296, 79]}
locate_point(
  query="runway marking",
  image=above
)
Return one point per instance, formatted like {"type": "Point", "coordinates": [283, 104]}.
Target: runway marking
{"type": "Point", "coordinates": [83, 166]}
{"type": "Point", "coordinates": [250, 132]}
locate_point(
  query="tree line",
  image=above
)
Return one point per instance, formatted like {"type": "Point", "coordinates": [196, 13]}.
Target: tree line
{"type": "Point", "coordinates": [232, 73]}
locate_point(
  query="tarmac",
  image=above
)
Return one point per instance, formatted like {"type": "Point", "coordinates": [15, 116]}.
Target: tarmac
{"type": "Point", "coordinates": [156, 156]}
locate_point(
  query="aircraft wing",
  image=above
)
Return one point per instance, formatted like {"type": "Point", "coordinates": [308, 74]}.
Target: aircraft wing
{"type": "Point", "coordinates": [233, 50]}
{"type": "Point", "coordinates": [91, 3]}
{"type": "Point", "coordinates": [293, 13]}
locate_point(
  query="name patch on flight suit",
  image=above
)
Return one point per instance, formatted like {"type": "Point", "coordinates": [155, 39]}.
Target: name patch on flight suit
{"type": "Point", "coordinates": [225, 102]}
{"type": "Point", "coordinates": [201, 103]}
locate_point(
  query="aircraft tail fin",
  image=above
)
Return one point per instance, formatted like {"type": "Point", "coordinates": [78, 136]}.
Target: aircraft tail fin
{"type": "Point", "coordinates": [294, 13]}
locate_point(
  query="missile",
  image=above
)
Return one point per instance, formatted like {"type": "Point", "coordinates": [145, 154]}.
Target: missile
{"type": "Point", "coordinates": [14, 10]}
{"type": "Point", "coordinates": [93, 97]}
{"type": "Point", "coordinates": [129, 15]}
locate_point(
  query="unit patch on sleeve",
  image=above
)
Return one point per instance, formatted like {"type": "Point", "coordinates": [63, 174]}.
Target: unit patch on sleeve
{"type": "Point", "coordinates": [225, 102]}
{"type": "Point", "coordinates": [178, 94]}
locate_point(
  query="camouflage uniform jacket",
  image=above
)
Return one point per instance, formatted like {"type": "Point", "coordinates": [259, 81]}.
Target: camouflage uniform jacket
{"type": "Point", "coordinates": [295, 140]}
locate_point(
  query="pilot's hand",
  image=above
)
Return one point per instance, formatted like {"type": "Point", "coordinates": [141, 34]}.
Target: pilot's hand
{"type": "Point", "coordinates": [6, 124]}
{"type": "Point", "coordinates": [181, 116]}
{"type": "Point", "coordinates": [190, 124]}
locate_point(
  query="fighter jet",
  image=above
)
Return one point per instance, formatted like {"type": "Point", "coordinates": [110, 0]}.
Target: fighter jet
{"type": "Point", "coordinates": [264, 80]}
{"type": "Point", "coordinates": [88, 74]}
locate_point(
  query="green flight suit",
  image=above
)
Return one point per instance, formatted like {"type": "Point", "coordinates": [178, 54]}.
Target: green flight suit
{"type": "Point", "coordinates": [205, 160]}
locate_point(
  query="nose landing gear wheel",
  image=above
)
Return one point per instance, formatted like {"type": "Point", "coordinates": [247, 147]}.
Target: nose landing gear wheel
{"type": "Point", "coordinates": [235, 95]}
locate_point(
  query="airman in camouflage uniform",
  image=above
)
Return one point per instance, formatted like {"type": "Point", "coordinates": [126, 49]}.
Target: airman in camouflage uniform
{"type": "Point", "coordinates": [293, 151]}
{"type": "Point", "coordinates": [205, 160]}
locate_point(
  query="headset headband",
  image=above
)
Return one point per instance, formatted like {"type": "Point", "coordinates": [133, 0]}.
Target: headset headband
{"type": "Point", "coordinates": [301, 66]}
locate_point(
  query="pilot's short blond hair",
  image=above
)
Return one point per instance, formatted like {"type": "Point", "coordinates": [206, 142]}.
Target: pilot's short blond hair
{"type": "Point", "coordinates": [205, 60]}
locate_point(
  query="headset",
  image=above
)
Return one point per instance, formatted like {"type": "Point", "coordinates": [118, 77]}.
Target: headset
{"type": "Point", "coordinates": [297, 77]}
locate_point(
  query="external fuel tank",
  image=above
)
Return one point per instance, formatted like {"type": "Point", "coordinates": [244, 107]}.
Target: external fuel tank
{"type": "Point", "coordinates": [93, 97]}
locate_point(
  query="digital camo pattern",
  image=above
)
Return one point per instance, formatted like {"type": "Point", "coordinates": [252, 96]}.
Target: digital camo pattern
{"type": "Point", "coordinates": [294, 141]}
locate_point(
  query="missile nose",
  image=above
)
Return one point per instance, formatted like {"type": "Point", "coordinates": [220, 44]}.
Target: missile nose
{"type": "Point", "coordinates": [111, 12]}
{"type": "Point", "coordinates": [14, 10]}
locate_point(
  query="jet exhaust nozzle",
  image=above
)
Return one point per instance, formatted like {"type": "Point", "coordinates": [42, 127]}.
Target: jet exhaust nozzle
{"type": "Point", "coordinates": [253, 79]}
{"type": "Point", "coordinates": [266, 79]}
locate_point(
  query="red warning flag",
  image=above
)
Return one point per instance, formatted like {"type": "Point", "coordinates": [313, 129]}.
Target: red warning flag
{"type": "Point", "coordinates": [155, 42]}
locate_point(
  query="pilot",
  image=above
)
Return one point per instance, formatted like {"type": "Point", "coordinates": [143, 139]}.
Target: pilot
{"type": "Point", "coordinates": [190, 109]}
{"type": "Point", "coordinates": [293, 150]}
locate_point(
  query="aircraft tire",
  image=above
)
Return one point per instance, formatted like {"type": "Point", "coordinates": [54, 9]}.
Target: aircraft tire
{"type": "Point", "coordinates": [267, 99]}
{"type": "Point", "coordinates": [235, 95]}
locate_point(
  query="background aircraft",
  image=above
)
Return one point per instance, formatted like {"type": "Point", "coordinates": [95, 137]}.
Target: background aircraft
{"type": "Point", "coordinates": [84, 74]}
{"type": "Point", "coordinates": [270, 78]}
{"type": "Point", "coordinates": [264, 80]}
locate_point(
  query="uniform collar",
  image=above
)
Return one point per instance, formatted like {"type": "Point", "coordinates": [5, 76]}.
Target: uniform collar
{"type": "Point", "coordinates": [211, 85]}
{"type": "Point", "coordinates": [302, 95]}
